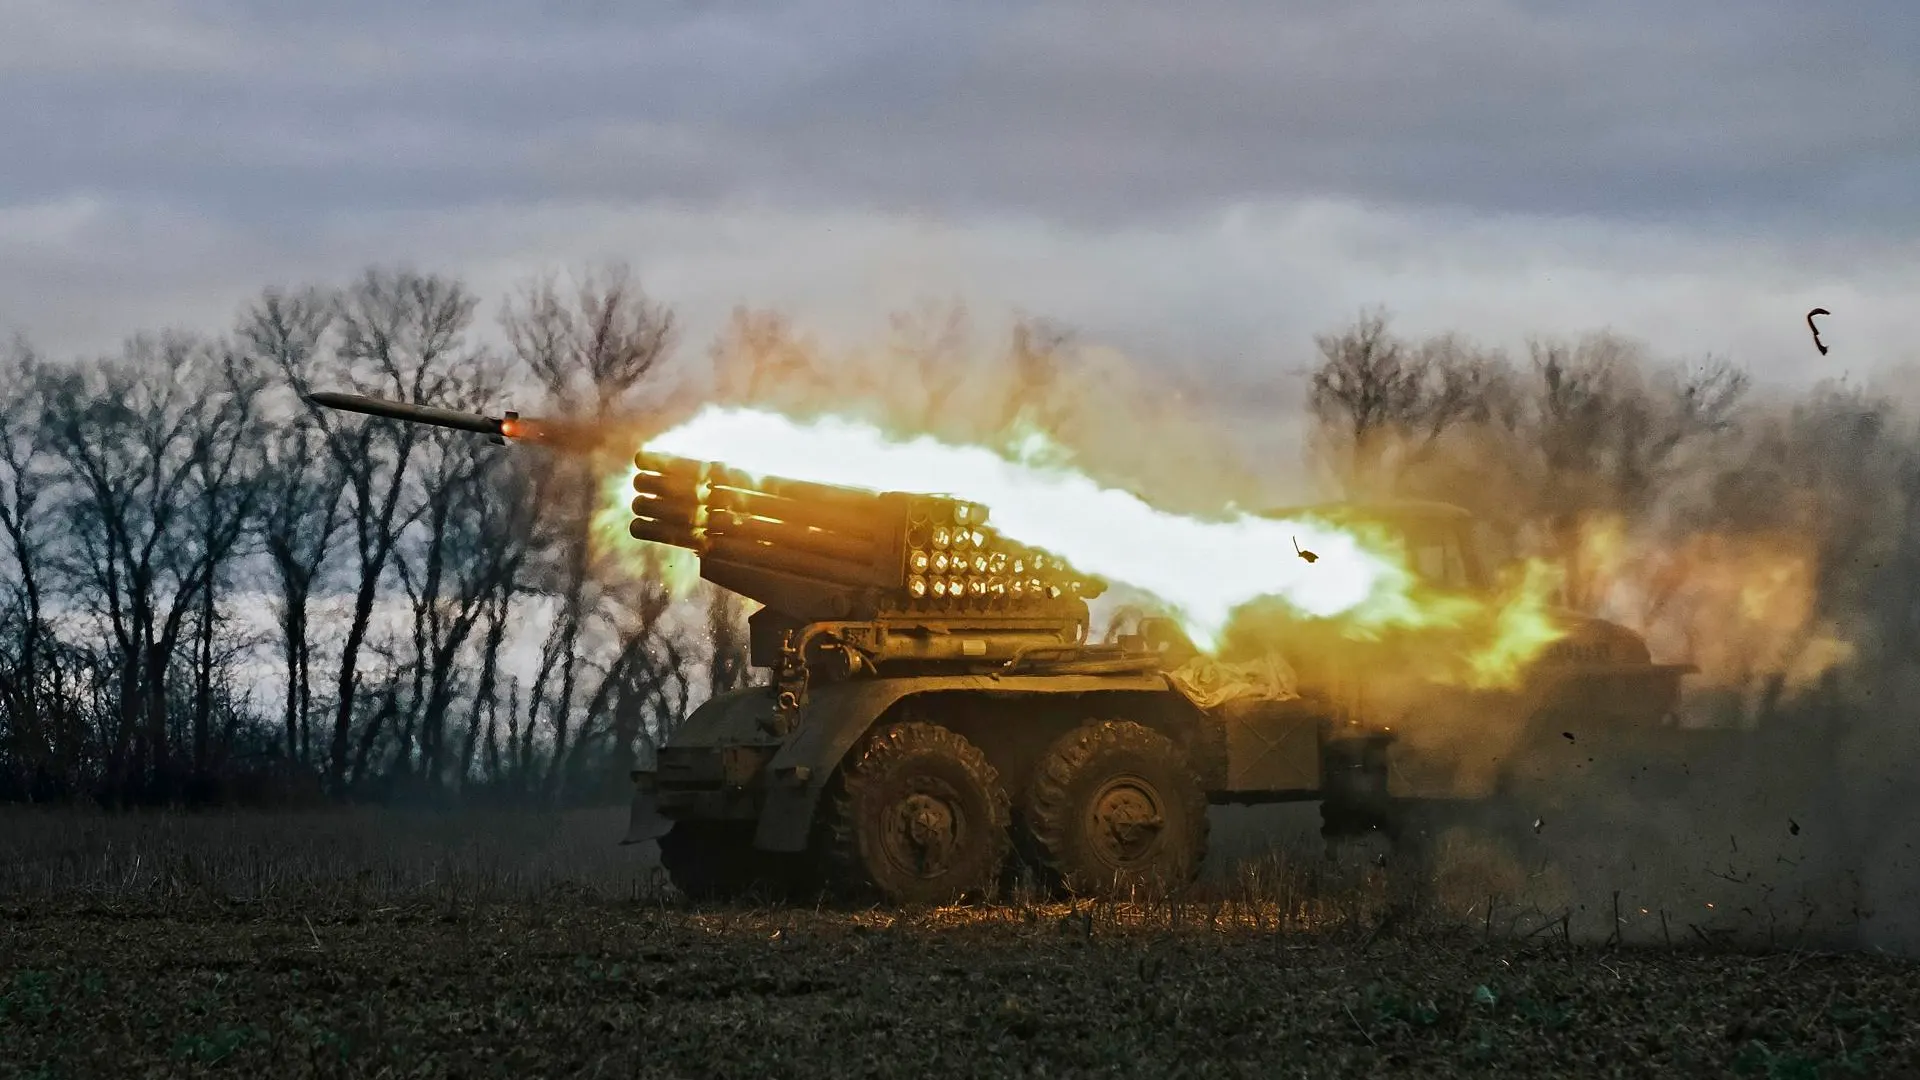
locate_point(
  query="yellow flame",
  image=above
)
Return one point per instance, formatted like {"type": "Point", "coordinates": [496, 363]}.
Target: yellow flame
{"type": "Point", "coordinates": [1522, 627]}
{"type": "Point", "coordinates": [1420, 634]}
{"type": "Point", "coordinates": [1201, 570]}
{"type": "Point", "coordinates": [677, 568]}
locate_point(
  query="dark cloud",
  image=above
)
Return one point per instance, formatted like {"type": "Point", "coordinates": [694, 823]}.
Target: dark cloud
{"type": "Point", "coordinates": [1210, 182]}
{"type": "Point", "coordinates": [1732, 111]}
{"type": "Point", "coordinates": [1764, 115]}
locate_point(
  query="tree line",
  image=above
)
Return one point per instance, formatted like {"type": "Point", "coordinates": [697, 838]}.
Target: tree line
{"type": "Point", "coordinates": [1771, 528]}
{"type": "Point", "coordinates": [214, 591]}
{"type": "Point", "coordinates": [179, 522]}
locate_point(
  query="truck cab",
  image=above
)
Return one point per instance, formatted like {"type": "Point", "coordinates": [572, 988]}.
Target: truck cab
{"type": "Point", "coordinates": [1596, 688]}
{"type": "Point", "coordinates": [1451, 550]}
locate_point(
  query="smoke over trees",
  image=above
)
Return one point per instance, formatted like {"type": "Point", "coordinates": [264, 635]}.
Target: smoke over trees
{"type": "Point", "coordinates": [1768, 538]}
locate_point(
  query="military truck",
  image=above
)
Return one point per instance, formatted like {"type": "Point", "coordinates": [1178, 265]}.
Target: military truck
{"type": "Point", "coordinates": [936, 711]}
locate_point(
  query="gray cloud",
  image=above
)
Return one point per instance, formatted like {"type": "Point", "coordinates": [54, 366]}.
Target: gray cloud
{"type": "Point", "coordinates": [1097, 111]}
{"type": "Point", "coordinates": [1505, 167]}
{"type": "Point", "coordinates": [1238, 293]}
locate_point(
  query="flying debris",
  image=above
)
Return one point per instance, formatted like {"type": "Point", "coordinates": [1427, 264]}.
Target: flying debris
{"type": "Point", "coordinates": [1817, 343]}
{"type": "Point", "coordinates": [1307, 555]}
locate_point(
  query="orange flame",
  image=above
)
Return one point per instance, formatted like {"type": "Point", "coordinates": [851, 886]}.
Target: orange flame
{"type": "Point", "coordinates": [677, 568]}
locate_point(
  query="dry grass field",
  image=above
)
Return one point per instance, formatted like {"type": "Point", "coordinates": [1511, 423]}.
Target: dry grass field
{"type": "Point", "coordinates": [384, 943]}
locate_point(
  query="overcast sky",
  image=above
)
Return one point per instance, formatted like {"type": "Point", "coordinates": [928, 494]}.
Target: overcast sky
{"type": "Point", "coordinates": [1207, 184]}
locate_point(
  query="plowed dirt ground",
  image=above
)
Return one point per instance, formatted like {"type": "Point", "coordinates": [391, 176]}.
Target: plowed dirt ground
{"type": "Point", "coordinates": [562, 987]}
{"type": "Point", "coordinates": [183, 950]}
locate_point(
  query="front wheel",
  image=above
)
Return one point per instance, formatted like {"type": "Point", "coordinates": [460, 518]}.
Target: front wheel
{"type": "Point", "coordinates": [1114, 808]}
{"type": "Point", "coordinates": [919, 817]}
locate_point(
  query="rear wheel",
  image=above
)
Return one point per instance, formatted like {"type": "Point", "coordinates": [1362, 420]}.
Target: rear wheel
{"type": "Point", "coordinates": [919, 817]}
{"type": "Point", "coordinates": [1114, 808]}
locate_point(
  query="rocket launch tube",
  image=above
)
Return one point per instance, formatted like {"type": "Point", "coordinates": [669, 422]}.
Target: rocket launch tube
{"type": "Point", "coordinates": [667, 469]}
{"type": "Point", "coordinates": [666, 509]}
{"type": "Point", "coordinates": [791, 559]}
{"type": "Point", "coordinates": [797, 538]}
{"type": "Point", "coordinates": [870, 524]}
{"type": "Point", "coordinates": [827, 506]}
{"type": "Point", "coordinates": [665, 532]}
{"type": "Point", "coordinates": [829, 497]}
{"type": "Point", "coordinates": [813, 556]}
{"type": "Point", "coordinates": [857, 514]}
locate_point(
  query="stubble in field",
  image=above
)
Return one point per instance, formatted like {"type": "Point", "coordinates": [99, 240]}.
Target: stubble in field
{"type": "Point", "coordinates": [374, 943]}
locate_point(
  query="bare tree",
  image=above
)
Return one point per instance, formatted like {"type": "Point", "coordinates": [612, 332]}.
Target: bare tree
{"type": "Point", "coordinates": [641, 663]}
{"type": "Point", "coordinates": [592, 355]}
{"type": "Point", "coordinates": [1607, 428]}
{"type": "Point", "coordinates": [463, 554]}
{"type": "Point", "coordinates": [150, 442]}
{"type": "Point", "coordinates": [647, 692]}
{"type": "Point", "coordinates": [228, 492]}
{"type": "Point", "coordinates": [761, 358]}
{"type": "Point", "coordinates": [403, 335]}
{"type": "Point", "coordinates": [1582, 391]}
{"type": "Point", "coordinates": [1702, 404]}
{"type": "Point", "coordinates": [303, 513]}
{"type": "Point", "coordinates": [29, 748]}
{"type": "Point", "coordinates": [483, 731]}
{"type": "Point", "coordinates": [1382, 405]}
{"type": "Point", "coordinates": [509, 495]}
{"type": "Point", "coordinates": [1035, 367]}
{"type": "Point", "coordinates": [929, 343]}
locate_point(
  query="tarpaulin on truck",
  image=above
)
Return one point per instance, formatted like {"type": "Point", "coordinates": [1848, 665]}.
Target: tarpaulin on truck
{"type": "Point", "coordinates": [1208, 682]}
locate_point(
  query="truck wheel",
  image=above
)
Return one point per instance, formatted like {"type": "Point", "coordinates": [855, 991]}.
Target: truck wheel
{"type": "Point", "coordinates": [920, 817]}
{"type": "Point", "coordinates": [1113, 807]}
{"type": "Point", "coordinates": [715, 861]}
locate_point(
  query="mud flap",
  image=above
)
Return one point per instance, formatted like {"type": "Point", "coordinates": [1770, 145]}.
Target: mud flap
{"type": "Point", "coordinates": [644, 822]}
